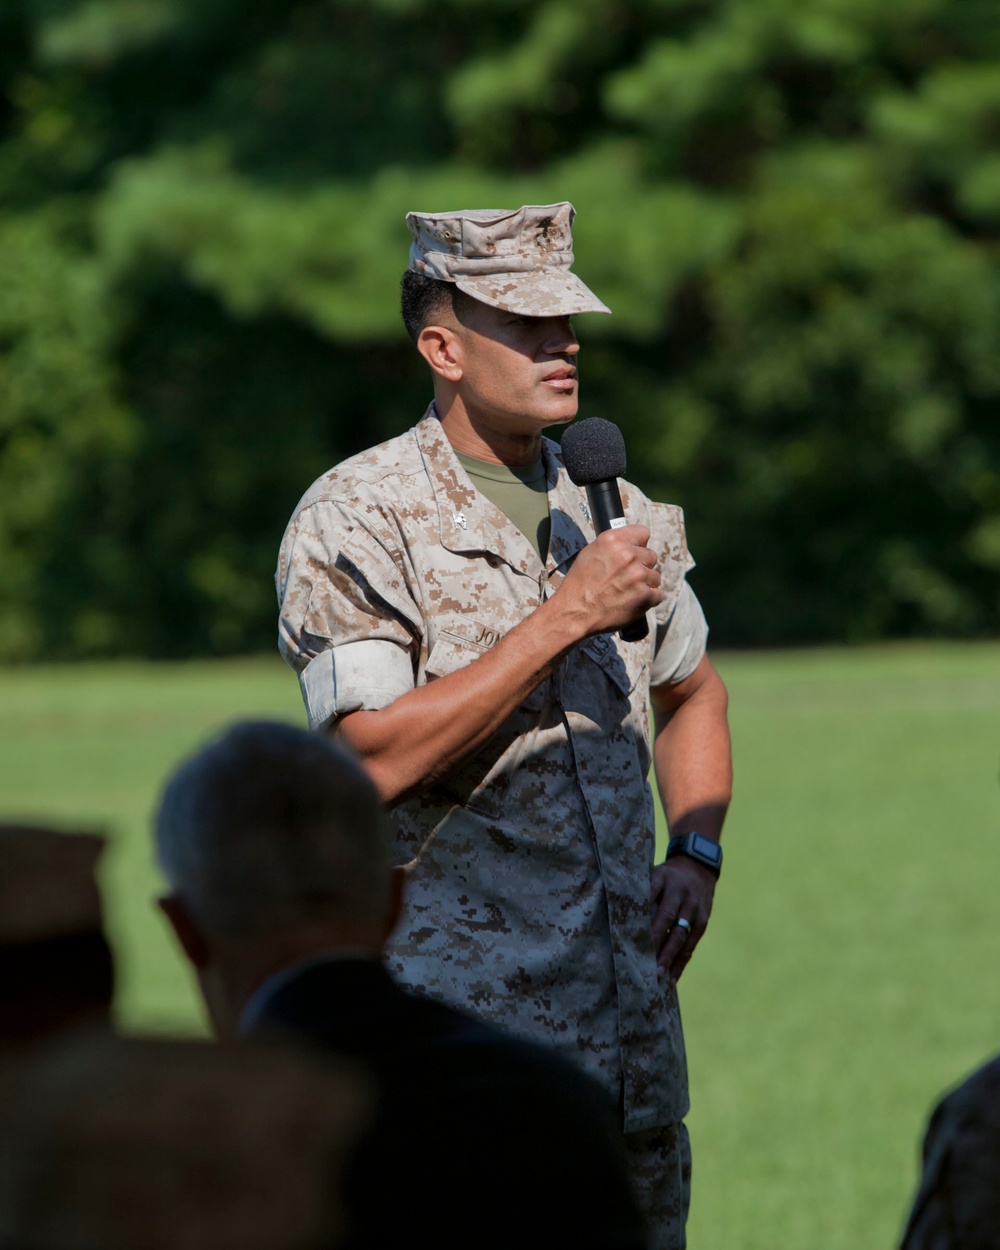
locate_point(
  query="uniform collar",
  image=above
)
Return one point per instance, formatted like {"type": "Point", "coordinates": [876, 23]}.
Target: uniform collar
{"type": "Point", "coordinates": [255, 1007]}
{"type": "Point", "coordinates": [469, 522]}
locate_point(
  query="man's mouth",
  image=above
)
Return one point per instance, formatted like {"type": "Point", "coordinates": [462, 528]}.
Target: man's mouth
{"type": "Point", "coordinates": [563, 379]}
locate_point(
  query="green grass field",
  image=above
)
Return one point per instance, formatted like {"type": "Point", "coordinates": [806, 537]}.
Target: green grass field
{"type": "Point", "coordinates": [850, 971]}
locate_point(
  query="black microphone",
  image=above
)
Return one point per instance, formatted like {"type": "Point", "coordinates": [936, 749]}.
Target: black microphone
{"type": "Point", "coordinates": [593, 452]}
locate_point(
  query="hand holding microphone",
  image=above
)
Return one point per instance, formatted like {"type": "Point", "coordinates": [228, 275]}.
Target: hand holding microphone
{"type": "Point", "coordinates": [593, 452]}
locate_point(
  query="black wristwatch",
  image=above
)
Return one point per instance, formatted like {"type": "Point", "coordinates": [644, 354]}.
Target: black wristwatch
{"type": "Point", "coordinates": [697, 846]}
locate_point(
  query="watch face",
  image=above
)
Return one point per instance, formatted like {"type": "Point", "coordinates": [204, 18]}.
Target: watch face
{"type": "Point", "coordinates": [705, 846]}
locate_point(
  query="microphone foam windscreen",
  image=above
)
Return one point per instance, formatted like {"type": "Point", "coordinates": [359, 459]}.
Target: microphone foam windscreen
{"type": "Point", "coordinates": [593, 451]}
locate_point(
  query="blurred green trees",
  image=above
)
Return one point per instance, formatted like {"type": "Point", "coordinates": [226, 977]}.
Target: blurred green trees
{"type": "Point", "coordinates": [793, 207]}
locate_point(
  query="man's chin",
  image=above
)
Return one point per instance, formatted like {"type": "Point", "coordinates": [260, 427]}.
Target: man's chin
{"type": "Point", "coordinates": [562, 414]}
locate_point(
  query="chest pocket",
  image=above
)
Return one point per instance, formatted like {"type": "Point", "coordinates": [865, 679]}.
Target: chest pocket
{"type": "Point", "coordinates": [605, 685]}
{"type": "Point", "coordinates": [622, 663]}
{"type": "Point", "coordinates": [454, 650]}
{"type": "Point", "coordinates": [481, 780]}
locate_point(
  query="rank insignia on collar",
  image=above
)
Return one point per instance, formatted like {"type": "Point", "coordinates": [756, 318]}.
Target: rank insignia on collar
{"type": "Point", "coordinates": [459, 519]}
{"type": "Point", "coordinates": [584, 509]}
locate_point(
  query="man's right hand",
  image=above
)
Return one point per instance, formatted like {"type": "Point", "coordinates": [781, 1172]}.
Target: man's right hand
{"type": "Point", "coordinates": [613, 581]}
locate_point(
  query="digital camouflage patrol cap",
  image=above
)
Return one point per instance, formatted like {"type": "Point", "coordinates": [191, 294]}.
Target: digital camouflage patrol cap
{"type": "Point", "coordinates": [514, 259]}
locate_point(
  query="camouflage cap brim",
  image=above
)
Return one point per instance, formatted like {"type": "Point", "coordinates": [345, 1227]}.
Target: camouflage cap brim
{"type": "Point", "coordinates": [539, 293]}
{"type": "Point", "coordinates": [515, 259]}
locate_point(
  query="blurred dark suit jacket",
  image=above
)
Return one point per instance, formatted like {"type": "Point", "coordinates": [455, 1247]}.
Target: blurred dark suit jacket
{"type": "Point", "coordinates": [481, 1140]}
{"type": "Point", "coordinates": [957, 1206]}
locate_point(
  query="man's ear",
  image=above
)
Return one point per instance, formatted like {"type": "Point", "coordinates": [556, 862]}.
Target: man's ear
{"type": "Point", "coordinates": [186, 930]}
{"type": "Point", "coordinates": [442, 349]}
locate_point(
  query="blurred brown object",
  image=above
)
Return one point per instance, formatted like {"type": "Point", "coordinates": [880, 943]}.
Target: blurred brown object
{"type": "Point", "coordinates": [957, 1206]}
{"type": "Point", "coordinates": [56, 968]}
{"type": "Point", "coordinates": [140, 1145]}
{"type": "Point", "coordinates": [48, 883]}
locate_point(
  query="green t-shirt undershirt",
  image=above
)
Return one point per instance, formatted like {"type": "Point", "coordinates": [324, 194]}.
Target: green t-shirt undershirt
{"type": "Point", "coordinates": [519, 492]}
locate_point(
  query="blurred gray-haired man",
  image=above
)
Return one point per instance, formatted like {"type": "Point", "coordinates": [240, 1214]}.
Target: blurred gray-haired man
{"type": "Point", "coordinates": [274, 847]}
{"type": "Point", "coordinates": [273, 843]}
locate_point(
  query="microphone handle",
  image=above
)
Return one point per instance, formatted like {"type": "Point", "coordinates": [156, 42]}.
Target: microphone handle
{"type": "Point", "coordinates": [607, 513]}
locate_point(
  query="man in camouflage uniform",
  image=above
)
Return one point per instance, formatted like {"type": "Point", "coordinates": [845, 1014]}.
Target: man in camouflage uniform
{"type": "Point", "coordinates": [473, 662]}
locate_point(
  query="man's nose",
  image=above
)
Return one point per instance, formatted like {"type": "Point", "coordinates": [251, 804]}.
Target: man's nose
{"type": "Point", "coordinates": [562, 341]}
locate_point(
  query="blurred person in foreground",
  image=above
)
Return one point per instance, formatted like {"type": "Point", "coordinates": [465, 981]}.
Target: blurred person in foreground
{"type": "Point", "coordinates": [452, 615]}
{"type": "Point", "coordinates": [274, 845]}
{"type": "Point", "coordinates": [56, 968]}
{"type": "Point", "coordinates": [108, 1144]}
{"type": "Point", "coordinates": [140, 1145]}
{"type": "Point", "coordinates": [957, 1206]}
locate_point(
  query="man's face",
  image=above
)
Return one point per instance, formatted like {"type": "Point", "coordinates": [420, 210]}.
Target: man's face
{"type": "Point", "coordinates": [518, 373]}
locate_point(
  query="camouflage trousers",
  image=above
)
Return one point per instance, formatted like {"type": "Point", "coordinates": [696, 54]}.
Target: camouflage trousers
{"type": "Point", "coordinates": [659, 1163]}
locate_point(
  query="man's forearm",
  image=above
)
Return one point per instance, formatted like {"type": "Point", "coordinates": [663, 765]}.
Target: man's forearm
{"type": "Point", "coordinates": [692, 753]}
{"type": "Point", "coordinates": [694, 772]}
{"type": "Point", "coordinates": [416, 740]}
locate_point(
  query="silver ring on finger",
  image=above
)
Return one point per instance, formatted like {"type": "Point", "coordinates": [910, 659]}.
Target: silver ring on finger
{"type": "Point", "coordinates": [681, 923]}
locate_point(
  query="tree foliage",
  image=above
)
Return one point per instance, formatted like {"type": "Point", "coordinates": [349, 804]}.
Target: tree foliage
{"type": "Point", "coordinates": [793, 209]}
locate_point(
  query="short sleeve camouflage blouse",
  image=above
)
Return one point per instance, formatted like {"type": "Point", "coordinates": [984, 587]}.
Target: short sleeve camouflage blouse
{"type": "Point", "coordinates": [528, 897]}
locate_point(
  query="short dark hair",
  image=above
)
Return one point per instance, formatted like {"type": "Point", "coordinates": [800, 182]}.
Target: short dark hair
{"type": "Point", "coordinates": [423, 300]}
